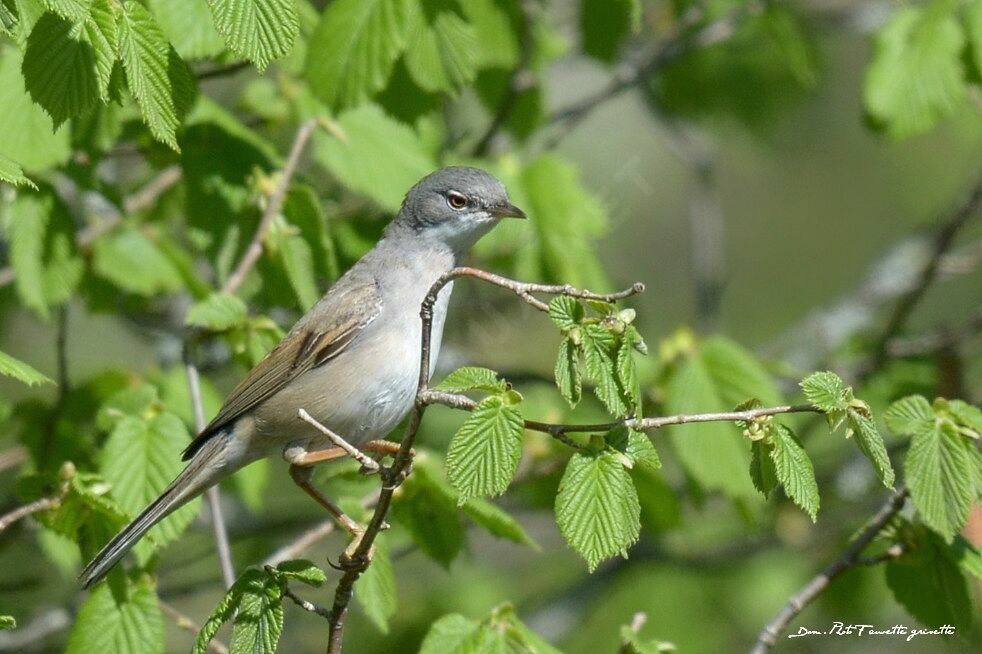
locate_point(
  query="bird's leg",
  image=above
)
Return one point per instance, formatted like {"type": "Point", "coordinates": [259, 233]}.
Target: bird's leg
{"type": "Point", "coordinates": [301, 472]}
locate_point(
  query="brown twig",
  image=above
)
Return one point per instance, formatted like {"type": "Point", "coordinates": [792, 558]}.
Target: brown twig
{"type": "Point", "coordinates": [12, 457]}
{"type": "Point", "coordinates": [20, 512]}
{"type": "Point", "coordinates": [307, 605]}
{"type": "Point", "coordinates": [848, 559]}
{"type": "Point", "coordinates": [187, 624]}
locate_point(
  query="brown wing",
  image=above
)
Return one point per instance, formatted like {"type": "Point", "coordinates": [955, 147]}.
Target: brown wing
{"type": "Point", "coordinates": [321, 335]}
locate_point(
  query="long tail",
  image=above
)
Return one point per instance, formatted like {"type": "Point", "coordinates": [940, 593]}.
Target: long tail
{"type": "Point", "coordinates": [209, 465]}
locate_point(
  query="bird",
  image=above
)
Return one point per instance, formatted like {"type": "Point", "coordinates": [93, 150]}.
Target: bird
{"type": "Point", "coordinates": [351, 362]}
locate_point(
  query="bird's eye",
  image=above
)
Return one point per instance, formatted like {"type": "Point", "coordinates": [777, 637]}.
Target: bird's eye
{"type": "Point", "coordinates": [456, 200]}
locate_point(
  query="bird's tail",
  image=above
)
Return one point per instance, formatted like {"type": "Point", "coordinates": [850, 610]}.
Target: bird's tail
{"type": "Point", "coordinates": [210, 464]}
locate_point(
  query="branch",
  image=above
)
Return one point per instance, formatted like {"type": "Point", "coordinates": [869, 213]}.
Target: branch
{"type": "Point", "coordinates": [138, 201]}
{"type": "Point", "coordinates": [366, 461]}
{"type": "Point", "coordinates": [12, 457]}
{"type": "Point", "coordinates": [255, 249]}
{"type": "Point", "coordinates": [849, 559]}
{"type": "Point", "coordinates": [307, 606]}
{"type": "Point", "coordinates": [393, 476]}
{"type": "Point", "coordinates": [189, 625]}
{"type": "Point", "coordinates": [36, 506]}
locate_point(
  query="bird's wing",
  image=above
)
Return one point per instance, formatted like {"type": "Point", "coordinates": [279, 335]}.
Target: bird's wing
{"type": "Point", "coordinates": [319, 337]}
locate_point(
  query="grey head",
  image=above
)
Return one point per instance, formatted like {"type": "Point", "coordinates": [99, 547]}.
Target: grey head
{"type": "Point", "coordinates": [456, 206]}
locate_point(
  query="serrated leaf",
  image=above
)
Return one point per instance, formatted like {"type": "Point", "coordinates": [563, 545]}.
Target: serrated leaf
{"type": "Point", "coordinates": [909, 415]}
{"type": "Point", "coordinates": [566, 312]}
{"type": "Point", "coordinates": [380, 157]}
{"type": "Point", "coordinates": [189, 27]}
{"type": "Point", "coordinates": [354, 48]}
{"type": "Point", "coordinates": [915, 77]}
{"type": "Point", "coordinates": [134, 263]}
{"type": "Point", "coordinates": [218, 312]}
{"type": "Point", "coordinates": [930, 585]}
{"type": "Point", "coordinates": [7, 622]}
{"type": "Point", "coordinates": [939, 472]}
{"type": "Point", "coordinates": [259, 30]}
{"type": "Point", "coordinates": [130, 624]}
{"type": "Point", "coordinates": [11, 172]}
{"type": "Point", "coordinates": [466, 379]}
{"type": "Point", "coordinates": [794, 470]}
{"type": "Point", "coordinates": [224, 611]}
{"type": "Point", "coordinates": [303, 571]}
{"type": "Point", "coordinates": [604, 24]}
{"type": "Point", "coordinates": [870, 442]}
{"type": "Point", "coordinates": [627, 375]}
{"type": "Point", "coordinates": [762, 471]}
{"type": "Point", "coordinates": [967, 415]}
{"type": "Point", "coordinates": [599, 357]}
{"type": "Point", "coordinates": [636, 446]}
{"type": "Point", "coordinates": [427, 507]}
{"type": "Point", "coordinates": [298, 261]}
{"type": "Point", "coordinates": [567, 372]}
{"type": "Point", "coordinates": [827, 391]}
{"type": "Point", "coordinates": [102, 33]}
{"type": "Point", "coordinates": [74, 10]}
{"type": "Point", "coordinates": [485, 451]}
{"type": "Point", "coordinates": [140, 458]}
{"type": "Point", "coordinates": [497, 26]}
{"type": "Point", "coordinates": [376, 590]}
{"type": "Point", "coordinates": [496, 521]}
{"type": "Point", "coordinates": [159, 79]}
{"type": "Point", "coordinates": [60, 69]}
{"type": "Point", "coordinates": [259, 621]}
{"type": "Point", "coordinates": [440, 52]}
{"type": "Point", "coordinates": [597, 507]}
{"type": "Point", "coordinates": [11, 367]}
{"type": "Point", "coordinates": [27, 134]}
{"type": "Point", "coordinates": [451, 634]}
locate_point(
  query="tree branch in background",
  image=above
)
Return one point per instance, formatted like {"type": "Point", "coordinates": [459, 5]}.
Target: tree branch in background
{"type": "Point", "coordinates": [36, 506]}
{"type": "Point", "coordinates": [849, 559]}
{"type": "Point", "coordinates": [189, 625]}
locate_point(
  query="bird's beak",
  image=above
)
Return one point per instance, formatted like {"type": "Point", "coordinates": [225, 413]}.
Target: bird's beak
{"type": "Point", "coordinates": [507, 210]}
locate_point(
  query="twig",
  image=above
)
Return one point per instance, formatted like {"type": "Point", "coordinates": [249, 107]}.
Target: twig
{"type": "Point", "coordinates": [12, 457]}
{"type": "Point", "coordinates": [637, 623]}
{"type": "Point", "coordinates": [36, 506]}
{"type": "Point", "coordinates": [935, 340]}
{"type": "Point", "coordinates": [521, 79]}
{"type": "Point", "coordinates": [306, 605]}
{"type": "Point", "coordinates": [138, 201]}
{"type": "Point", "coordinates": [189, 625]}
{"type": "Point", "coordinates": [366, 461]}
{"type": "Point", "coordinates": [848, 559]}
{"type": "Point", "coordinates": [255, 249]}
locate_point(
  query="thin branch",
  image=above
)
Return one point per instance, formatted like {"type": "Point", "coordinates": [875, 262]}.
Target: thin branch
{"type": "Point", "coordinates": [255, 249]}
{"type": "Point", "coordinates": [12, 457]}
{"type": "Point", "coordinates": [138, 201]}
{"type": "Point", "coordinates": [36, 506]}
{"type": "Point", "coordinates": [935, 340]}
{"type": "Point", "coordinates": [522, 79]}
{"type": "Point", "coordinates": [366, 461]}
{"type": "Point", "coordinates": [187, 624]}
{"type": "Point", "coordinates": [848, 559]}
{"type": "Point", "coordinates": [307, 605]}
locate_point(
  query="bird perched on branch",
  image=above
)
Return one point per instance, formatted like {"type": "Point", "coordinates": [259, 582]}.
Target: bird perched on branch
{"type": "Point", "coordinates": [352, 362]}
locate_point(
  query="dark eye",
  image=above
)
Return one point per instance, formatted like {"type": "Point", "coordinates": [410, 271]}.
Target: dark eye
{"type": "Point", "coordinates": [456, 200]}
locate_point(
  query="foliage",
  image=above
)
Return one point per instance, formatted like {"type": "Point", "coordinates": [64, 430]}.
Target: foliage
{"type": "Point", "coordinates": [143, 146]}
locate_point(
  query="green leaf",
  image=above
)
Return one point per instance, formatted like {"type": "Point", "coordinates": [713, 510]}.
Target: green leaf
{"type": "Point", "coordinates": [354, 48]}
{"type": "Point", "coordinates": [189, 27]}
{"type": "Point", "coordinates": [600, 358]}
{"type": "Point", "coordinates": [27, 134]}
{"type": "Point", "coordinates": [636, 446]}
{"type": "Point", "coordinates": [909, 415]}
{"type": "Point", "coordinates": [259, 621]}
{"type": "Point", "coordinates": [131, 261]}
{"type": "Point", "coordinates": [568, 378]}
{"type": "Point", "coordinates": [158, 78]}
{"type": "Point", "coordinates": [60, 69]}
{"type": "Point", "coordinates": [379, 157]}
{"type": "Point", "coordinates": [101, 31]}
{"type": "Point", "coordinates": [259, 30]}
{"type": "Point", "coordinates": [427, 506]}
{"type": "Point", "coordinates": [376, 590]}
{"type": "Point", "coordinates": [871, 443]}
{"type": "Point", "coordinates": [297, 259]}
{"type": "Point", "coordinates": [497, 521]}
{"type": "Point", "coordinates": [566, 312]}
{"type": "Point", "coordinates": [605, 24]}
{"type": "Point", "coordinates": [633, 644]}
{"type": "Point", "coordinates": [7, 622]}
{"type": "Point", "coordinates": [930, 585]}
{"type": "Point", "coordinates": [967, 415]}
{"type": "Point", "coordinates": [939, 473]}
{"type": "Point", "coordinates": [11, 367]}
{"type": "Point", "coordinates": [915, 77]}
{"type": "Point", "coordinates": [130, 624]}
{"type": "Point", "coordinates": [762, 471]}
{"type": "Point", "coordinates": [627, 375]}
{"type": "Point", "coordinates": [452, 634]}
{"type": "Point", "coordinates": [597, 507]}
{"type": "Point", "coordinates": [42, 251]}
{"type": "Point", "coordinates": [484, 453]}
{"type": "Point", "coordinates": [466, 379]}
{"type": "Point", "coordinates": [303, 571]}
{"type": "Point", "coordinates": [827, 391]}
{"type": "Point", "coordinates": [218, 312]}
{"type": "Point", "coordinates": [140, 458]}
{"type": "Point", "coordinates": [973, 29]}
{"type": "Point", "coordinates": [11, 172]}
{"type": "Point", "coordinates": [224, 611]}
{"type": "Point", "coordinates": [440, 53]}
{"type": "Point", "coordinates": [499, 633]}
{"type": "Point", "coordinates": [497, 26]}
{"type": "Point", "coordinates": [793, 469]}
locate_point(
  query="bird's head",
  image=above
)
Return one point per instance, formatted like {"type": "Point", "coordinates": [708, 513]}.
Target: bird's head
{"type": "Point", "coordinates": [457, 206]}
